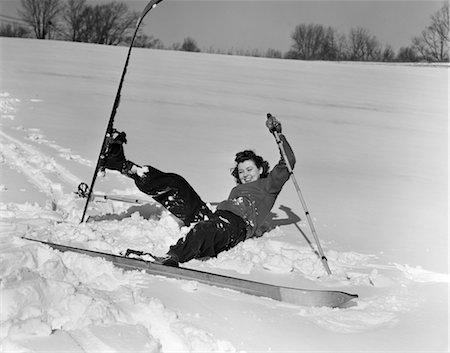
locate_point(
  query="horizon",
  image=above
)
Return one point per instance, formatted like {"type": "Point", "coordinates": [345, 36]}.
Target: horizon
{"type": "Point", "coordinates": [244, 24]}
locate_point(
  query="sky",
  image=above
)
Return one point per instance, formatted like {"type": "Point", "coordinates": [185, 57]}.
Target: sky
{"type": "Point", "coordinates": [263, 24]}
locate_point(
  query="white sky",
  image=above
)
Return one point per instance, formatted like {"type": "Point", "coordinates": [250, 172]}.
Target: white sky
{"type": "Point", "coordinates": [262, 24]}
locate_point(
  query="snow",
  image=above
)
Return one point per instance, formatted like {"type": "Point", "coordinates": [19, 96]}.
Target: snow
{"type": "Point", "coordinates": [371, 142]}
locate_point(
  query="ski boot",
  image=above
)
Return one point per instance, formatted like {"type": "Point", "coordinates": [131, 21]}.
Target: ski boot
{"type": "Point", "coordinates": [168, 260]}
{"type": "Point", "coordinates": [115, 156]}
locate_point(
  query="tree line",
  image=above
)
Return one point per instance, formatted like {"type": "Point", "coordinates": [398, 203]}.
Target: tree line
{"type": "Point", "coordinates": [113, 24]}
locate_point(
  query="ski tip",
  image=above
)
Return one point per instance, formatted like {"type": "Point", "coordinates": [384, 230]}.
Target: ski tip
{"type": "Point", "coordinates": [318, 298]}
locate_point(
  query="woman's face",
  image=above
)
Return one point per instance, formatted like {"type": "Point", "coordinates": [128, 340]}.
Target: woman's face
{"type": "Point", "coordinates": [248, 171]}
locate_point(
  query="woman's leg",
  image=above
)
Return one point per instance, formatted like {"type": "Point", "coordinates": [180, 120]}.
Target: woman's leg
{"type": "Point", "coordinates": [174, 193]}
{"type": "Point", "coordinates": [169, 189]}
{"type": "Point", "coordinates": [209, 238]}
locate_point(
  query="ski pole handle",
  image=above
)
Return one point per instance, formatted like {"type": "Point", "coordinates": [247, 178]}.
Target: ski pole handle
{"type": "Point", "coordinates": [276, 135]}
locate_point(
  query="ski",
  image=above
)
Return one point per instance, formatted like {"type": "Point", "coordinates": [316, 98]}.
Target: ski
{"type": "Point", "coordinates": [296, 296]}
{"type": "Point", "coordinates": [110, 129]}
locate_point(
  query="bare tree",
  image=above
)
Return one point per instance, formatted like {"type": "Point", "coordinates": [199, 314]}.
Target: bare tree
{"type": "Point", "coordinates": [144, 41]}
{"type": "Point", "coordinates": [363, 46]}
{"type": "Point", "coordinates": [107, 23]}
{"type": "Point", "coordinates": [388, 54]}
{"type": "Point", "coordinates": [40, 15]}
{"type": "Point", "coordinates": [273, 53]}
{"type": "Point", "coordinates": [330, 48]}
{"type": "Point", "coordinates": [315, 42]}
{"type": "Point", "coordinates": [407, 54]}
{"type": "Point", "coordinates": [110, 22]}
{"type": "Point", "coordinates": [189, 44]}
{"type": "Point", "coordinates": [308, 40]}
{"type": "Point", "coordinates": [342, 47]}
{"type": "Point", "coordinates": [73, 15]}
{"type": "Point", "coordinates": [13, 29]}
{"type": "Point", "coordinates": [433, 44]}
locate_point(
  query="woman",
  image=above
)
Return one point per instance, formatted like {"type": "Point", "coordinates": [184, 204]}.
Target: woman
{"type": "Point", "coordinates": [237, 218]}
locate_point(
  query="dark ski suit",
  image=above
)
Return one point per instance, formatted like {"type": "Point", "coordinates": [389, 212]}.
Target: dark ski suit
{"type": "Point", "coordinates": [237, 218]}
{"type": "Point", "coordinates": [174, 193]}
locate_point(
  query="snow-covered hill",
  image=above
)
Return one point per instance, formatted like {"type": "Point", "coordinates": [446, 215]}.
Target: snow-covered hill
{"type": "Point", "coordinates": [372, 148]}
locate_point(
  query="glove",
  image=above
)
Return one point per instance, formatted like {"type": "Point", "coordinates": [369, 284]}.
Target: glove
{"type": "Point", "coordinates": [273, 124]}
{"type": "Point", "coordinates": [120, 138]}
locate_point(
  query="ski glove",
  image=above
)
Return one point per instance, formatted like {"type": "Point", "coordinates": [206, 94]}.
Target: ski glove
{"type": "Point", "coordinates": [273, 124]}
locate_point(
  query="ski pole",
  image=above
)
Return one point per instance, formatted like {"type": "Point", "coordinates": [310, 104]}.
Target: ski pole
{"type": "Point", "coordinates": [302, 200]}
{"type": "Point", "coordinates": [83, 192]}
{"type": "Point", "coordinates": [120, 198]}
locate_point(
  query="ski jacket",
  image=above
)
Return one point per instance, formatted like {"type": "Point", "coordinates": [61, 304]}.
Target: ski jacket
{"type": "Point", "coordinates": [253, 201]}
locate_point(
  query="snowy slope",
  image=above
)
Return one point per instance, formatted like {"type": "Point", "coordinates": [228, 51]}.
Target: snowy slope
{"type": "Point", "coordinates": [371, 144]}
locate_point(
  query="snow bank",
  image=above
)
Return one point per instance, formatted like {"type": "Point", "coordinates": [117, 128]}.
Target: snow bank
{"type": "Point", "coordinates": [7, 105]}
{"type": "Point", "coordinates": [45, 291]}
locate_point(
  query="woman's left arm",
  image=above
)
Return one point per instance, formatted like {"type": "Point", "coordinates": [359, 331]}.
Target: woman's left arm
{"type": "Point", "coordinates": [274, 126]}
{"type": "Point", "coordinates": [288, 149]}
{"type": "Point", "coordinates": [280, 174]}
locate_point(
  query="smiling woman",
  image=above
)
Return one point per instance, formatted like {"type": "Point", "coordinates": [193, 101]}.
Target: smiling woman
{"type": "Point", "coordinates": [243, 214]}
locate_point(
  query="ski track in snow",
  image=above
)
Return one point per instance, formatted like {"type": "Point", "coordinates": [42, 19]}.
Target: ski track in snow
{"type": "Point", "coordinates": [39, 170]}
{"type": "Point", "coordinates": [7, 110]}
{"type": "Point", "coordinates": [7, 106]}
{"type": "Point", "coordinates": [37, 136]}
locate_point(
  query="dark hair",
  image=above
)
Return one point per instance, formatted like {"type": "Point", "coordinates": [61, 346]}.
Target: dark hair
{"type": "Point", "coordinates": [246, 156]}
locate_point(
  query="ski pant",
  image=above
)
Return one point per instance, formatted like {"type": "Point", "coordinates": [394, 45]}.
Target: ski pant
{"type": "Point", "coordinates": [221, 232]}
{"type": "Point", "coordinates": [174, 193]}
